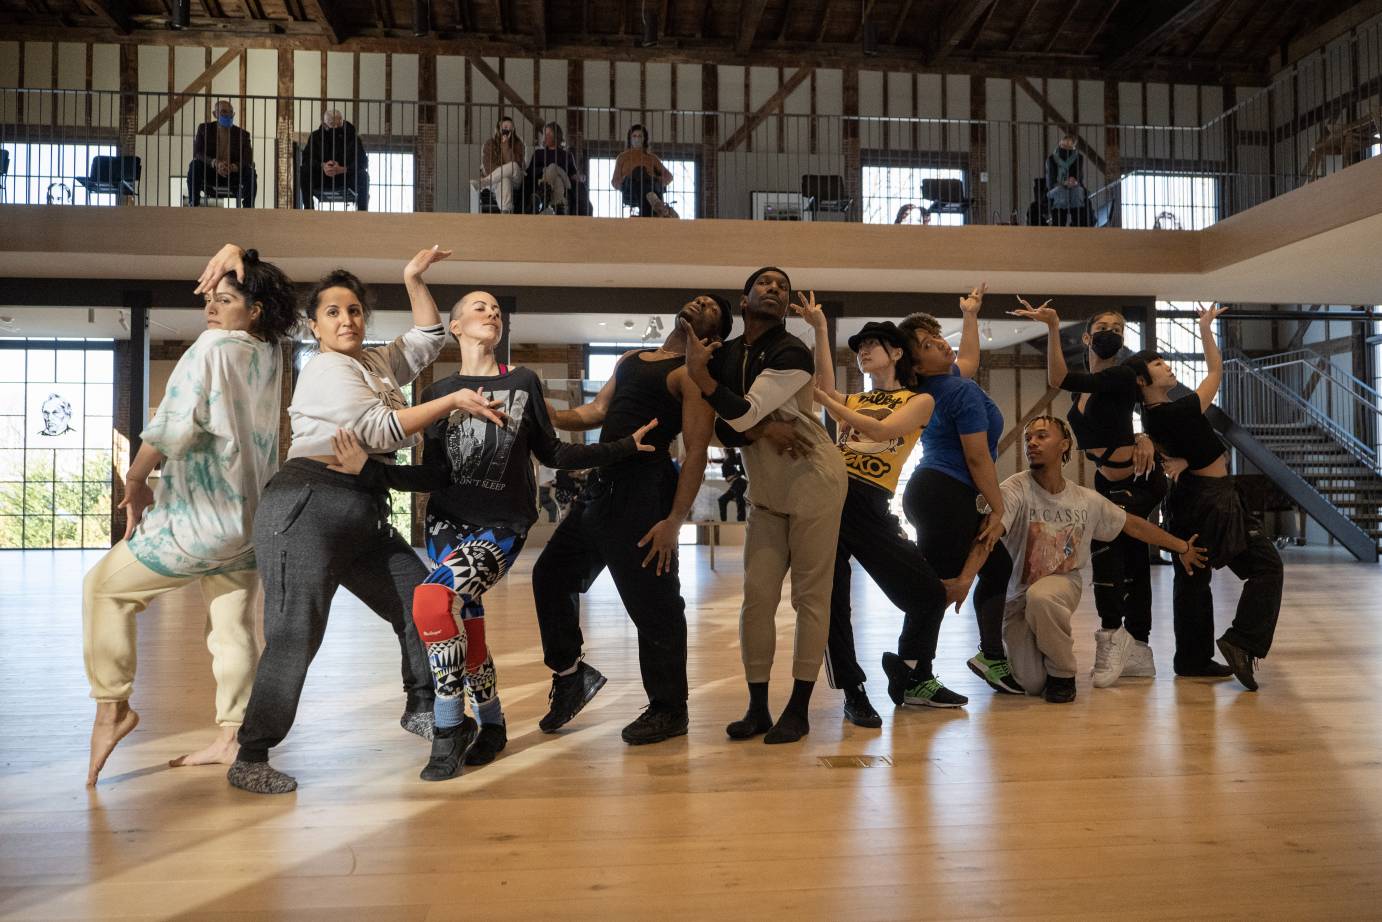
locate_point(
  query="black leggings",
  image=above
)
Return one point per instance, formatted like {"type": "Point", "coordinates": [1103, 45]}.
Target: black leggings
{"type": "Point", "coordinates": [943, 511]}
{"type": "Point", "coordinates": [872, 535]}
{"type": "Point", "coordinates": [1122, 568]}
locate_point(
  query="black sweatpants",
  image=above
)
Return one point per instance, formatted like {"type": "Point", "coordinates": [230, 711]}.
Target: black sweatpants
{"type": "Point", "coordinates": [872, 535]}
{"type": "Point", "coordinates": [1122, 568]}
{"type": "Point", "coordinates": [1211, 508]}
{"type": "Point", "coordinates": [602, 529]}
{"type": "Point", "coordinates": [943, 511]}
{"type": "Point", "coordinates": [315, 531]}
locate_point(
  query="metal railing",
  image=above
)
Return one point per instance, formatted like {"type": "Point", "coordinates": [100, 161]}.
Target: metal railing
{"type": "Point", "coordinates": [1317, 117]}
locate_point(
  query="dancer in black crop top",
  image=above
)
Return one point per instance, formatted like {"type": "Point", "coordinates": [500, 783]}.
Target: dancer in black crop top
{"type": "Point", "coordinates": [1101, 417]}
{"type": "Point", "coordinates": [1204, 502]}
{"type": "Point", "coordinates": [628, 520]}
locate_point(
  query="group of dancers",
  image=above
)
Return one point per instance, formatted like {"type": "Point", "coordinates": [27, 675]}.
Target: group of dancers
{"type": "Point", "coordinates": [225, 514]}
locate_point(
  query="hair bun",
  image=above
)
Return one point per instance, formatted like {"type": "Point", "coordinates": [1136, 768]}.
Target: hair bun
{"type": "Point", "coordinates": [252, 255]}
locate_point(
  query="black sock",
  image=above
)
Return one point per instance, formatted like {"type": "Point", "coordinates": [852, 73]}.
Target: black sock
{"type": "Point", "coordinates": [793, 725]}
{"type": "Point", "coordinates": [801, 697]}
{"type": "Point", "coordinates": [757, 719]}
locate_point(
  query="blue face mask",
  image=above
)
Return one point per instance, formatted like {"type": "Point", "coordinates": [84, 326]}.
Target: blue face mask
{"type": "Point", "coordinates": [225, 121]}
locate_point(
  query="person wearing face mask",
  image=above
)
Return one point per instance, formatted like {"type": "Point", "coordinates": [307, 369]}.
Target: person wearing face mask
{"type": "Point", "coordinates": [222, 157]}
{"type": "Point", "coordinates": [1126, 472]}
{"type": "Point", "coordinates": [335, 158]}
{"type": "Point", "coordinates": [483, 490]}
{"type": "Point", "coordinates": [641, 178]}
{"type": "Point", "coordinates": [317, 529]}
{"type": "Point", "coordinates": [501, 164]}
{"type": "Point", "coordinates": [1065, 184]}
{"type": "Point", "coordinates": [216, 436]}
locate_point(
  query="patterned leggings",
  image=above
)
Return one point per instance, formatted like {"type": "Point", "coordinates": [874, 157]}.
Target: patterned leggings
{"type": "Point", "coordinates": [468, 560]}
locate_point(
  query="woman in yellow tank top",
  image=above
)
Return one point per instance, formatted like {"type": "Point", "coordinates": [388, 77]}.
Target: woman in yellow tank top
{"type": "Point", "coordinates": [878, 430]}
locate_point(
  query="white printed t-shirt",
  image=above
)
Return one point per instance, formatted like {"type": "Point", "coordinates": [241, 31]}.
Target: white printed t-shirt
{"type": "Point", "coordinates": [1050, 533]}
{"type": "Point", "coordinates": [217, 425]}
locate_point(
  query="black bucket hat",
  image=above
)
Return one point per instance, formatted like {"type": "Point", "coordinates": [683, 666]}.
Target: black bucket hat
{"type": "Point", "coordinates": [885, 332]}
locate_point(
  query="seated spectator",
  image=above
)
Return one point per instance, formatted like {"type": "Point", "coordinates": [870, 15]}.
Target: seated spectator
{"type": "Point", "coordinates": [1065, 184]}
{"type": "Point", "coordinates": [905, 212]}
{"type": "Point", "coordinates": [335, 159]}
{"type": "Point", "coordinates": [501, 160]}
{"type": "Point", "coordinates": [580, 192]}
{"type": "Point", "coordinates": [553, 172]}
{"type": "Point", "coordinates": [641, 177]}
{"type": "Point", "coordinates": [223, 158]}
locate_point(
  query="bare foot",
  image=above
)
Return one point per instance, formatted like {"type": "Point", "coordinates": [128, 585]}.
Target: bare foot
{"type": "Point", "coordinates": [114, 721]}
{"type": "Point", "coordinates": [221, 752]}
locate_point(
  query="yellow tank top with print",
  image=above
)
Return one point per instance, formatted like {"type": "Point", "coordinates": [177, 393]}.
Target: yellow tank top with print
{"type": "Point", "coordinates": [877, 463]}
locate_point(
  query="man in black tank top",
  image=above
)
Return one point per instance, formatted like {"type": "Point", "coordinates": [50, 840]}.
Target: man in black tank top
{"type": "Point", "coordinates": [628, 520]}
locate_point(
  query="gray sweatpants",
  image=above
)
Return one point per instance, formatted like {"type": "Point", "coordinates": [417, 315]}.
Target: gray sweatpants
{"type": "Point", "coordinates": [315, 531]}
{"type": "Point", "coordinates": [1036, 631]}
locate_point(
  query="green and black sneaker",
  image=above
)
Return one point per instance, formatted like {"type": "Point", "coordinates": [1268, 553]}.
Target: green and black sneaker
{"type": "Point", "coordinates": [932, 694]}
{"type": "Point", "coordinates": [997, 672]}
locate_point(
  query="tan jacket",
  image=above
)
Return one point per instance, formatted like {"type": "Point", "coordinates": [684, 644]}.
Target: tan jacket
{"type": "Point", "coordinates": [492, 154]}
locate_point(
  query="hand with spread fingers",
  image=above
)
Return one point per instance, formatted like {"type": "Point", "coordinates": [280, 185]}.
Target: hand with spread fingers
{"type": "Point", "coordinates": [807, 309]}
{"type": "Point", "coordinates": [1044, 314]}
{"type": "Point", "coordinates": [229, 260]}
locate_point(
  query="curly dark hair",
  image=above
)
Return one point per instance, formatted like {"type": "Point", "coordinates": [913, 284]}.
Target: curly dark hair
{"type": "Point", "coordinates": [337, 278]}
{"type": "Point", "coordinates": [266, 285]}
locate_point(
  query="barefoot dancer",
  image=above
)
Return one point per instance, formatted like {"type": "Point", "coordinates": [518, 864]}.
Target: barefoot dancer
{"type": "Point", "coordinates": [1204, 501]}
{"type": "Point", "coordinates": [216, 434]}
{"type": "Point", "coordinates": [763, 375]}
{"type": "Point", "coordinates": [483, 501]}
{"type": "Point", "coordinates": [878, 430]}
{"type": "Point", "coordinates": [318, 530]}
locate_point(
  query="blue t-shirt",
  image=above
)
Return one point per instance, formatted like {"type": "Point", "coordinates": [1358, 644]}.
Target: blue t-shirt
{"type": "Point", "coordinates": [962, 408]}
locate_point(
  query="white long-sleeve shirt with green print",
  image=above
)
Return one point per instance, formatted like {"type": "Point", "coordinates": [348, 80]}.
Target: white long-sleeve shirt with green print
{"type": "Point", "coordinates": [218, 427]}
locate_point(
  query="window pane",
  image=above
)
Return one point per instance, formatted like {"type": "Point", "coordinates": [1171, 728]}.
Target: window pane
{"type": "Point", "coordinates": [607, 202]}
{"type": "Point", "coordinates": [42, 365]}
{"type": "Point", "coordinates": [11, 365]}
{"type": "Point", "coordinates": [96, 531]}
{"type": "Point", "coordinates": [47, 174]}
{"type": "Point", "coordinates": [99, 399]}
{"type": "Point", "coordinates": [887, 188]}
{"type": "Point", "coordinates": [38, 498]}
{"type": "Point", "coordinates": [11, 464]}
{"type": "Point", "coordinates": [100, 366]}
{"type": "Point", "coordinates": [11, 531]}
{"type": "Point", "coordinates": [38, 531]}
{"type": "Point", "coordinates": [38, 465]}
{"type": "Point", "coordinates": [67, 531]}
{"type": "Point", "coordinates": [96, 498]}
{"type": "Point", "coordinates": [67, 464]}
{"type": "Point", "coordinates": [99, 433]}
{"type": "Point", "coordinates": [11, 498]}
{"type": "Point", "coordinates": [71, 366]}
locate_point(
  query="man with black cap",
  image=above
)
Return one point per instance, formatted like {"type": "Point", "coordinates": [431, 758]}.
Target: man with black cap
{"type": "Point", "coordinates": [629, 519]}
{"type": "Point", "coordinates": [761, 377]}
{"type": "Point", "coordinates": [878, 430]}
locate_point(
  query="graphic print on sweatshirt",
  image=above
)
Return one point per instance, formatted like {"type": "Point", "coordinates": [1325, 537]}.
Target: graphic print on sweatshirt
{"type": "Point", "coordinates": [478, 450]}
{"type": "Point", "coordinates": [1053, 541]}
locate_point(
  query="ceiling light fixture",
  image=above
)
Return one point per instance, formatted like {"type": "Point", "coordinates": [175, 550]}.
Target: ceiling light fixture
{"type": "Point", "coordinates": [182, 14]}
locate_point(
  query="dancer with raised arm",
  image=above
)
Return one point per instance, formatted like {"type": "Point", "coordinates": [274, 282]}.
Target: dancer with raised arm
{"type": "Point", "coordinates": [1126, 473]}
{"type": "Point", "coordinates": [1204, 501]}
{"type": "Point", "coordinates": [765, 375]}
{"type": "Point", "coordinates": [1047, 526]}
{"type": "Point", "coordinates": [216, 435]}
{"type": "Point", "coordinates": [878, 430]}
{"type": "Point", "coordinates": [628, 519]}
{"type": "Point", "coordinates": [318, 530]}
{"type": "Point", "coordinates": [483, 502]}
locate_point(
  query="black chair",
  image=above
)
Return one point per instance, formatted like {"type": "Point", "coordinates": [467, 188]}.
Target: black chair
{"type": "Point", "coordinates": [489, 202]}
{"type": "Point", "coordinates": [947, 196]}
{"type": "Point", "coordinates": [113, 176]}
{"type": "Point", "coordinates": [827, 193]}
{"type": "Point", "coordinates": [4, 171]}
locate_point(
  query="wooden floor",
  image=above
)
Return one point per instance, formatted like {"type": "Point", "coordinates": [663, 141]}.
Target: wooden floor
{"type": "Point", "coordinates": [1156, 798]}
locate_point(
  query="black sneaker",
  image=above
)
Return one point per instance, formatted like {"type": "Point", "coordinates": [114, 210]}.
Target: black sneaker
{"type": "Point", "coordinates": [898, 673]}
{"type": "Point", "coordinates": [1240, 661]}
{"type": "Point", "coordinates": [449, 745]}
{"type": "Point", "coordinates": [1059, 690]}
{"type": "Point", "coordinates": [655, 724]}
{"type": "Point", "coordinates": [859, 710]}
{"type": "Point", "coordinates": [489, 743]}
{"type": "Point", "coordinates": [1209, 669]}
{"type": "Point", "coordinates": [569, 694]}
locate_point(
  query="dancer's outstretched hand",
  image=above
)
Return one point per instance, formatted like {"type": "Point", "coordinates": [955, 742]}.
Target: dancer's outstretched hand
{"type": "Point", "coordinates": [1194, 557]}
{"type": "Point", "coordinates": [475, 403]}
{"type": "Point", "coordinates": [350, 454]}
{"type": "Point", "coordinates": [423, 260]}
{"type": "Point", "coordinates": [642, 431]}
{"type": "Point", "coordinates": [975, 299]}
{"type": "Point", "coordinates": [807, 309]}
{"type": "Point", "coordinates": [230, 260]}
{"type": "Point", "coordinates": [1044, 314]}
{"type": "Point", "coordinates": [1207, 315]}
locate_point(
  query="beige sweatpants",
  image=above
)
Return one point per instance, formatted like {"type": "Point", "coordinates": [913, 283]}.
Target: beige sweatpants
{"type": "Point", "coordinates": [1036, 631]}
{"type": "Point", "coordinates": [119, 587]}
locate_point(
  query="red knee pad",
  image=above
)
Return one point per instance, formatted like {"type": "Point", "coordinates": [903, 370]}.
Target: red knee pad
{"type": "Point", "coordinates": [432, 613]}
{"type": "Point", "coordinates": [476, 651]}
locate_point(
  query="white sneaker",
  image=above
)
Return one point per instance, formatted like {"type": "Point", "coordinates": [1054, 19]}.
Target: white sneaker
{"type": "Point", "coordinates": [1140, 663]}
{"type": "Point", "coordinates": [1109, 666]}
{"type": "Point", "coordinates": [660, 208]}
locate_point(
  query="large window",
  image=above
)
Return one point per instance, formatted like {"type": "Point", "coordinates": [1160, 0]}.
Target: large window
{"type": "Point", "coordinates": [46, 174]}
{"type": "Point", "coordinates": [1169, 201]}
{"type": "Point", "coordinates": [391, 184]}
{"type": "Point", "coordinates": [887, 188]}
{"type": "Point", "coordinates": [606, 202]}
{"type": "Point", "coordinates": [56, 399]}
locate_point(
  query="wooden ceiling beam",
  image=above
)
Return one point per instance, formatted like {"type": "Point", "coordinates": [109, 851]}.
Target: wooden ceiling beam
{"type": "Point", "coordinates": [750, 15]}
{"type": "Point", "coordinates": [540, 23]}
{"type": "Point", "coordinates": [1160, 23]}
{"type": "Point", "coordinates": [506, 92]}
{"type": "Point", "coordinates": [1021, 29]}
{"type": "Point", "coordinates": [823, 26]}
{"type": "Point", "coordinates": [770, 106]}
{"type": "Point", "coordinates": [114, 13]}
{"type": "Point", "coordinates": [190, 92]}
{"type": "Point", "coordinates": [901, 21]}
{"type": "Point", "coordinates": [1099, 29]}
{"type": "Point", "coordinates": [325, 14]}
{"type": "Point", "coordinates": [863, 18]}
{"type": "Point", "coordinates": [955, 26]}
{"type": "Point", "coordinates": [786, 19]}
{"type": "Point", "coordinates": [1070, 8]}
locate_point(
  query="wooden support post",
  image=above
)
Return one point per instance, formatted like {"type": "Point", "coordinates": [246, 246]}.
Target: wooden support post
{"type": "Point", "coordinates": [425, 137]}
{"type": "Point", "coordinates": [129, 98]}
{"type": "Point", "coordinates": [710, 136]}
{"type": "Point", "coordinates": [1113, 154]}
{"type": "Point", "coordinates": [978, 152]}
{"type": "Point", "coordinates": [190, 91]}
{"type": "Point", "coordinates": [283, 133]}
{"type": "Point", "coordinates": [851, 141]}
